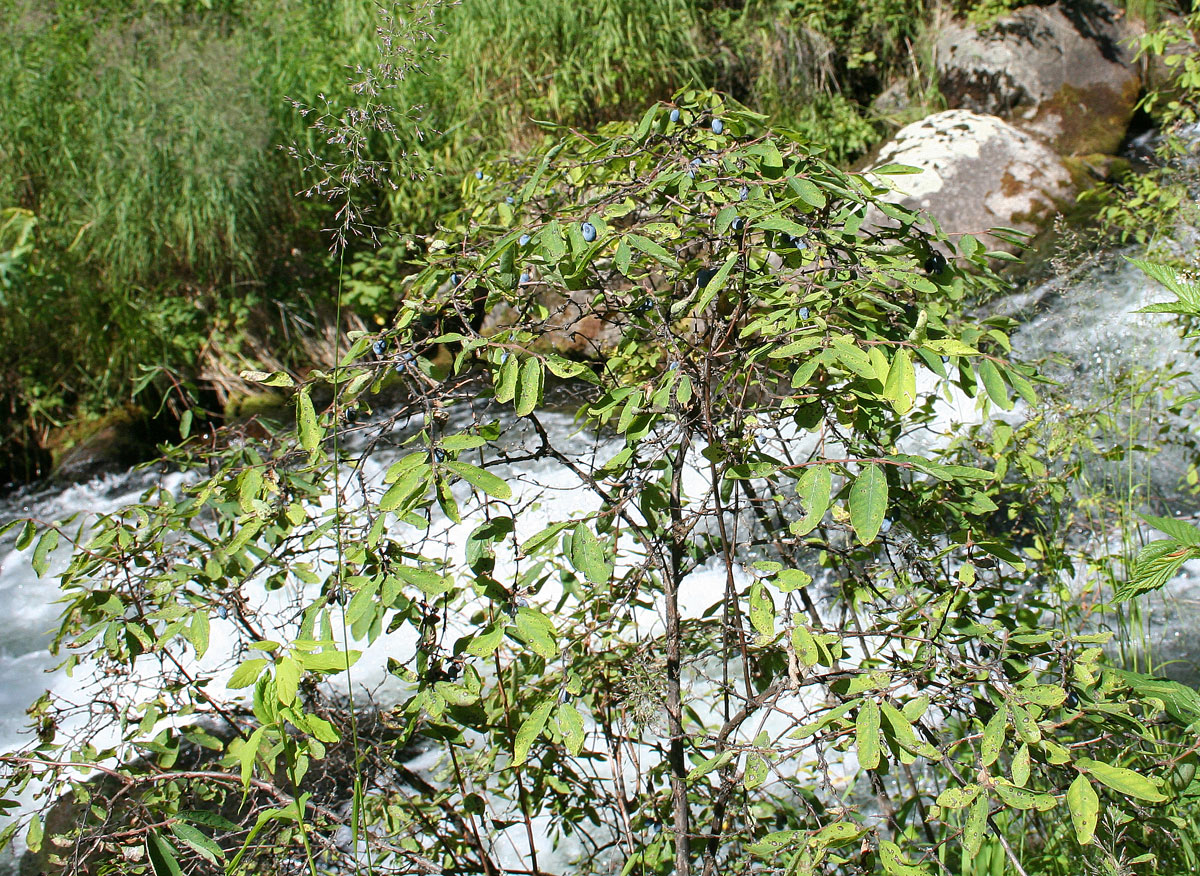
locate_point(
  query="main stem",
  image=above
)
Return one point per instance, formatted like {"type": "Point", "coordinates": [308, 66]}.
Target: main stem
{"type": "Point", "coordinates": [679, 800]}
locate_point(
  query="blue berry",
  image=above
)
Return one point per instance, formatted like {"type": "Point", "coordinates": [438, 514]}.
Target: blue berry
{"type": "Point", "coordinates": [503, 356]}
{"type": "Point", "coordinates": [717, 126]}
{"type": "Point", "coordinates": [523, 240]}
{"type": "Point", "coordinates": [936, 263]}
{"type": "Point", "coordinates": [379, 347]}
{"type": "Point", "coordinates": [804, 313]}
{"type": "Point", "coordinates": [455, 279]}
{"type": "Point", "coordinates": [588, 230]}
{"type": "Point", "coordinates": [672, 366]}
{"type": "Point", "coordinates": [479, 174]}
{"type": "Point", "coordinates": [524, 279]}
{"type": "Point", "coordinates": [222, 612]}
{"type": "Point", "coordinates": [509, 200]}
{"type": "Point", "coordinates": [705, 275]}
{"type": "Point", "coordinates": [738, 224]}
{"type": "Point", "coordinates": [744, 193]}
{"type": "Point", "coordinates": [674, 115]}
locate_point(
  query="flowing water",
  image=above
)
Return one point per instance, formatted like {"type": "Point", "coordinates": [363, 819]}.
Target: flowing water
{"type": "Point", "coordinates": [1086, 320]}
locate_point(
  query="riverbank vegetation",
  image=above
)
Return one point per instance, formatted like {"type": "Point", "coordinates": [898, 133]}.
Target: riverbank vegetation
{"type": "Point", "coordinates": [798, 615]}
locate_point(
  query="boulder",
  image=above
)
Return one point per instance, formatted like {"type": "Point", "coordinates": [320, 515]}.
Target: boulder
{"type": "Point", "coordinates": [977, 171]}
{"type": "Point", "coordinates": [1063, 72]}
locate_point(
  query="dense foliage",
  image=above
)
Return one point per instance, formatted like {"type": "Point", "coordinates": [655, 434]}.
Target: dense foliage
{"type": "Point", "coordinates": [881, 679]}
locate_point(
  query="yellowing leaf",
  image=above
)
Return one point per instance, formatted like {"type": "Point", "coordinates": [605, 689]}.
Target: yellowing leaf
{"type": "Point", "coordinates": [1121, 780]}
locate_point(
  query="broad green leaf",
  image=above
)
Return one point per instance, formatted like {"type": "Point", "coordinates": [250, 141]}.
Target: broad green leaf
{"type": "Point", "coordinates": [529, 387]}
{"type": "Point", "coordinates": [570, 724]}
{"type": "Point", "coordinates": [851, 356]}
{"type": "Point", "coordinates": [994, 384]}
{"type": "Point", "coordinates": [813, 489]}
{"type": "Point", "coordinates": [198, 842]}
{"type": "Point", "coordinates": [652, 249]}
{"type": "Point", "coordinates": [894, 863]}
{"type": "Point", "coordinates": [1084, 803]}
{"type": "Point", "coordinates": [1027, 727]}
{"type": "Point", "coordinates": [903, 733]}
{"type": "Point", "coordinates": [1050, 695]}
{"type": "Point", "coordinates": [756, 772]}
{"type": "Point", "coordinates": [805, 646]}
{"type": "Point", "coordinates": [717, 282]}
{"type": "Point", "coordinates": [163, 856]}
{"type": "Point", "coordinates": [866, 735]}
{"type": "Point", "coordinates": [1021, 766]}
{"type": "Point", "coordinates": [587, 555]}
{"type": "Point", "coordinates": [792, 579]}
{"type": "Point", "coordinates": [41, 554]}
{"type": "Point", "coordinates": [33, 836]}
{"type": "Point", "coordinates": [1121, 780]}
{"type": "Point", "coordinates": [484, 644]}
{"type": "Point", "coordinates": [868, 502]}
{"type": "Point", "coordinates": [993, 736]}
{"type": "Point", "coordinates": [246, 673]}
{"type": "Point", "coordinates": [900, 388]}
{"type": "Point", "coordinates": [506, 382]}
{"type": "Point", "coordinates": [197, 632]}
{"type": "Point", "coordinates": [808, 191]}
{"type": "Point", "coordinates": [25, 536]}
{"type": "Point", "coordinates": [762, 611]}
{"type": "Point", "coordinates": [1017, 798]}
{"type": "Point", "coordinates": [537, 630]}
{"type": "Point", "coordinates": [477, 477]}
{"type": "Point", "coordinates": [976, 826]}
{"type": "Point", "coordinates": [287, 680]}
{"type": "Point", "coordinates": [531, 728]}
{"type": "Point", "coordinates": [715, 762]}
{"type": "Point", "coordinates": [958, 798]}
{"type": "Point", "coordinates": [306, 422]}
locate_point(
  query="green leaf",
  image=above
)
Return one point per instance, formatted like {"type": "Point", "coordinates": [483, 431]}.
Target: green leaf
{"type": "Point", "coordinates": [246, 673]}
{"type": "Point", "coordinates": [587, 555]}
{"type": "Point", "coordinates": [570, 724]}
{"type": "Point", "coordinates": [976, 826]}
{"type": "Point", "coordinates": [900, 388]}
{"type": "Point", "coordinates": [993, 736]}
{"type": "Point", "coordinates": [762, 611]}
{"type": "Point", "coordinates": [163, 856]}
{"type": "Point", "coordinates": [994, 384]}
{"type": "Point", "coordinates": [808, 191]}
{"type": "Point", "coordinates": [197, 632]}
{"type": "Point", "coordinates": [306, 422]}
{"type": "Point", "coordinates": [705, 767]}
{"type": "Point", "coordinates": [248, 752]}
{"type": "Point", "coordinates": [536, 629]}
{"type": "Point", "coordinates": [1121, 780]}
{"type": "Point", "coordinates": [1084, 803]}
{"type": "Point", "coordinates": [484, 644]}
{"type": "Point", "coordinates": [41, 553]}
{"type": "Point", "coordinates": [652, 249]}
{"type": "Point", "coordinates": [531, 728]}
{"type": "Point", "coordinates": [757, 770]}
{"type": "Point", "coordinates": [25, 536]}
{"type": "Point", "coordinates": [813, 489]}
{"type": "Point", "coordinates": [866, 735]}
{"type": "Point", "coordinates": [481, 479]}
{"type": "Point", "coordinates": [903, 733]}
{"type": "Point", "coordinates": [33, 836]}
{"type": "Point", "coordinates": [717, 282]}
{"type": "Point", "coordinates": [1021, 766]}
{"type": "Point", "coordinates": [198, 842]}
{"type": "Point", "coordinates": [529, 388]}
{"type": "Point", "coordinates": [894, 863]}
{"type": "Point", "coordinates": [805, 646]}
{"type": "Point", "coordinates": [868, 502]}
{"type": "Point", "coordinates": [958, 798]}
{"type": "Point", "coordinates": [287, 680]}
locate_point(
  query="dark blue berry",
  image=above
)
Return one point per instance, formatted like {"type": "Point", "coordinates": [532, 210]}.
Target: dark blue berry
{"type": "Point", "coordinates": [379, 347]}
{"type": "Point", "coordinates": [455, 279]}
{"type": "Point", "coordinates": [743, 193]}
{"type": "Point", "coordinates": [717, 126]}
{"type": "Point", "coordinates": [479, 174]}
{"type": "Point", "coordinates": [936, 263]}
{"type": "Point", "coordinates": [588, 230]}
{"type": "Point", "coordinates": [738, 224]}
{"type": "Point", "coordinates": [704, 276]}
{"type": "Point", "coordinates": [674, 115]}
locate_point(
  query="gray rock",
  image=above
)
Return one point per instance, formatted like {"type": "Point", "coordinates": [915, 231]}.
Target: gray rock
{"type": "Point", "coordinates": [1062, 72]}
{"type": "Point", "coordinates": [978, 172]}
